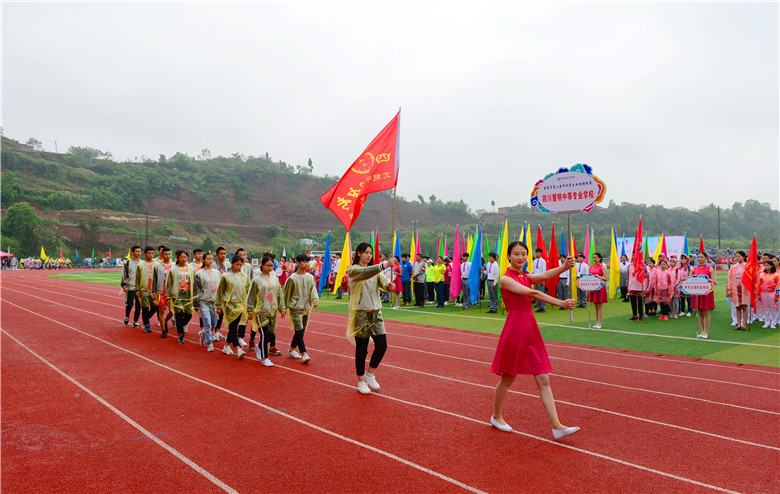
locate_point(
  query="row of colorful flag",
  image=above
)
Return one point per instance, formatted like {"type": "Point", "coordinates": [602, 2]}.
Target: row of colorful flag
{"type": "Point", "coordinates": [45, 257]}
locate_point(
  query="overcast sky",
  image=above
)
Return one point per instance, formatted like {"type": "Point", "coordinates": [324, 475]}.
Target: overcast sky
{"type": "Point", "coordinates": [670, 103]}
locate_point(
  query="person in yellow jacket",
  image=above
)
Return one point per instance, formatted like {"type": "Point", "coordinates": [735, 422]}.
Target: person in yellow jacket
{"type": "Point", "coordinates": [179, 287]}
{"type": "Point", "coordinates": [143, 287]}
{"type": "Point", "coordinates": [231, 303]}
{"type": "Point", "coordinates": [300, 295]}
{"type": "Point", "coordinates": [265, 300]}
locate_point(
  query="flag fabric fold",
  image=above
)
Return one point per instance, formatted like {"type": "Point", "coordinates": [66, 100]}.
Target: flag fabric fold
{"type": "Point", "coordinates": [326, 267]}
{"type": "Point", "coordinates": [344, 264]}
{"type": "Point", "coordinates": [636, 256]}
{"type": "Point", "coordinates": [504, 258]}
{"type": "Point", "coordinates": [750, 275]}
{"type": "Point", "coordinates": [476, 266]}
{"type": "Point", "coordinates": [455, 283]}
{"type": "Point", "coordinates": [586, 250]}
{"type": "Point", "coordinates": [374, 170]}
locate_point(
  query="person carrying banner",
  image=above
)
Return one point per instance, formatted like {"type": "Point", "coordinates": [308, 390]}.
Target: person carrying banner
{"type": "Point", "coordinates": [704, 304]}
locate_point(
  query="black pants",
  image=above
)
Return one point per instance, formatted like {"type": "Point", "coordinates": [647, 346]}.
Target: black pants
{"type": "Point", "coordinates": [419, 294]}
{"type": "Point", "coordinates": [624, 292]}
{"type": "Point", "coordinates": [232, 336]}
{"type": "Point", "coordinates": [637, 305]}
{"type": "Point", "coordinates": [182, 318]}
{"type": "Point", "coordinates": [361, 351]}
{"type": "Point", "coordinates": [297, 341]}
{"type": "Point", "coordinates": [147, 313]}
{"type": "Point", "coordinates": [131, 299]}
{"type": "Point", "coordinates": [407, 288]}
{"type": "Point", "coordinates": [219, 322]}
{"type": "Point", "coordinates": [265, 340]}
{"type": "Point", "coordinates": [651, 308]}
{"type": "Point", "coordinates": [665, 310]}
{"type": "Point", "coordinates": [429, 285]}
{"type": "Point", "coordinates": [683, 300]}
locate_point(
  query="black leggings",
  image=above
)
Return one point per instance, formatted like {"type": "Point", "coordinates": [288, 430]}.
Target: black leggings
{"type": "Point", "coordinates": [235, 330]}
{"type": "Point", "coordinates": [297, 341]}
{"type": "Point", "coordinates": [361, 351]}
{"type": "Point", "coordinates": [131, 299]}
{"type": "Point", "coordinates": [637, 305]}
{"type": "Point", "coordinates": [147, 313]}
{"type": "Point", "coordinates": [219, 322]}
{"type": "Point", "coordinates": [182, 318]}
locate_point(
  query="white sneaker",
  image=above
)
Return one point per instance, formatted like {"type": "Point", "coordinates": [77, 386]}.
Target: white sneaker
{"type": "Point", "coordinates": [565, 432]}
{"type": "Point", "coordinates": [218, 336]}
{"type": "Point", "coordinates": [211, 347]}
{"type": "Point", "coordinates": [227, 351]}
{"type": "Point", "coordinates": [597, 326]}
{"type": "Point", "coordinates": [202, 338]}
{"type": "Point", "coordinates": [305, 358]}
{"type": "Point", "coordinates": [241, 342]}
{"type": "Point", "coordinates": [766, 325]}
{"type": "Point", "coordinates": [240, 353]}
{"type": "Point", "coordinates": [733, 324]}
{"type": "Point", "coordinates": [446, 303]}
{"type": "Point", "coordinates": [371, 381]}
{"type": "Point", "coordinates": [267, 362]}
{"type": "Point", "coordinates": [363, 388]}
{"type": "Point", "coordinates": [293, 354]}
{"type": "Point", "coordinates": [397, 307]}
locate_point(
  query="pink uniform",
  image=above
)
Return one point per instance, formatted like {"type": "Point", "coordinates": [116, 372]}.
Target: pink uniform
{"type": "Point", "coordinates": [739, 296]}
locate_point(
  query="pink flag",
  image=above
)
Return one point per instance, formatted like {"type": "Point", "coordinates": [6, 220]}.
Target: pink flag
{"type": "Point", "coordinates": [109, 255]}
{"type": "Point", "coordinates": [455, 281]}
{"type": "Point", "coordinates": [418, 242]}
{"type": "Point", "coordinates": [586, 250]}
{"type": "Point", "coordinates": [62, 254]}
{"type": "Point", "coordinates": [663, 247]}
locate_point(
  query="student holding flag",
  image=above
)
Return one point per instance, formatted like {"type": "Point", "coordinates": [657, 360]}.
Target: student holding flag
{"type": "Point", "coordinates": [366, 280]}
{"type": "Point", "coordinates": [520, 348]}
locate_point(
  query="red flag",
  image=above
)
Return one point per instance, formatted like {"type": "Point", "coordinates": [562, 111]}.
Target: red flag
{"type": "Point", "coordinates": [701, 244]}
{"type": "Point", "coordinates": [750, 275]}
{"type": "Point", "coordinates": [376, 251]}
{"type": "Point", "coordinates": [639, 263]}
{"type": "Point", "coordinates": [376, 169]}
{"type": "Point", "coordinates": [573, 247]}
{"type": "Point", "coordinates": [540, 242]}
{"type": "Point", "coordinates": [552, 263]}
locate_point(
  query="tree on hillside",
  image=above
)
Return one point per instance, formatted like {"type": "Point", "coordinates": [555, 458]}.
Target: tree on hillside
{"type": "Point", "coordinates": [21, 222]}
{"type": "Point", "coordinates": [420, 198]}
{"type": "Point", "coordinates": [493, 205]}
{"type": "Point", "coordinates": [35, 143]}
{"type": "Point", "coordinates": [205, 154]}
{"type": "Point", "coordinates": [207, 245]}
{"type": "Point", "coordinates": [89, 153]}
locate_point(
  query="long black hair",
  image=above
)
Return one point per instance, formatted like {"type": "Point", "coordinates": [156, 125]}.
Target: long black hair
{"type": "Point", "coordinates": [515, 244]}
{"type": "Point", "coordinates": [362, 247]}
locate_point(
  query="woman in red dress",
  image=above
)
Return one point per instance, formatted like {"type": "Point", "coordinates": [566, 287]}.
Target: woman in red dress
{"type": "Point", "coordinates": [599, 297]}
{"type": "Point", "coordinates": [521, 348]}
{"type": "Point", "coordinates": [704, 304]}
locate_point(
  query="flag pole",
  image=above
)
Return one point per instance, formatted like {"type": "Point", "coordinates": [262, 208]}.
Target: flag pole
{"type": "Point", "coordinates": [572, 271]}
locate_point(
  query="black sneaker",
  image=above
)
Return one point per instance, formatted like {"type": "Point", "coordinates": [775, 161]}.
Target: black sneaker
{"type": "Point", "coordinates": [181, 340]}
{"type": "Point", "coordinates": [164, 333]}
{"type": "Point", "coordinates": [127, 320]}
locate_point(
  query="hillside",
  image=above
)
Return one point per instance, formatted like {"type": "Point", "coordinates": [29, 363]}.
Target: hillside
{"type": "Point", "coordinates": [85, 200]}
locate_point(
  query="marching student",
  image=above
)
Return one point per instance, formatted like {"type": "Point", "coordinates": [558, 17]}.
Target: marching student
{"type": "Point", "coordinates": [366, 281]}
{"type": "Point", "coordinates": [128, 286]}
{"type": "Point", "coordinates": [196, 264]}
{"type": "Point", "coordinates": [264, 301]}
{"type": "Point", "coordinates": [300, 295]}
{"type": "Point", "coordinates": [520, 347]}
{"type": "Point", "coordinates": [159, 276]}
{"type": "Point", "coordinates": [206, 281]}
{"type": "Point", "coordinates": [143, 287]}
{"type": "Point", "coordinates": [767, 302]}
{"type": "Point", "coordinates": [704, 304]}
{"type": "Point", "coordinates": [230, 301]}
{"type": "Point", "coordinates": [179, 287]}
{"type": "Point", "coordinates": [250, 273]}
{"type": "Point", "coordinates": [223, 265]}
{"type": "Point", "coordinates": [599, 297]}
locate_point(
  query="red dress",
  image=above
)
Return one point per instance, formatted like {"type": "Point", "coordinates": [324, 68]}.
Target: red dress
{"type": "Point", "coordinates": [520, 347]}
{"type": "Point", "coordinates": [599, 296]}
{"type": "Point", "coordinates": [704, 302]}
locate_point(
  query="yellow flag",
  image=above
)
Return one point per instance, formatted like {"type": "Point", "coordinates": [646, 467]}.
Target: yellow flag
{"type": "Point", "coordinates": [43, 254]}
{"type": "Point", "coordinates": [412, 250]}
{"type": "Point", "coordinates": [344, 264]}
{"type": "Point", "coordinates": [504, 265]}
{"type": "Point", "coordinates": [469, 245]}
{"type": "Point", "coordinates": [530, 244]}
{"type": "Point", "coordinates": [128, 254]}
{"type": "Point", "coordinates": [614, 268]}
{"type": "Point", "coordinates": [658, 248]}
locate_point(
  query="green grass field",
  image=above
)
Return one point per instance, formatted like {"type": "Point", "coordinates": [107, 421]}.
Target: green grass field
{"type": "Point", "coordinates": [674, 337]}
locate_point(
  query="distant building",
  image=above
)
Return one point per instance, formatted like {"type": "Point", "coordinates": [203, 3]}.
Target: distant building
{"type": "Point", "coordinates": [307, 242]}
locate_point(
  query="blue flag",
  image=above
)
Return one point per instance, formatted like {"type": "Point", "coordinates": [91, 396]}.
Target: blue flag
{"type": "Point", "coordinates": [476, 265]}
{"type": "Point", "coordinates": [77, 255]}
{"type": "Point", "coordinates": [397, 246]}
{"type": "Point", "coordinates": [685, 245]}
{"type": "Point", "coordinates": [326, 267]}
{"type": "Point", "coordinates": [623, 246]}
{"type": "Point", "coordinates": [563, 249]}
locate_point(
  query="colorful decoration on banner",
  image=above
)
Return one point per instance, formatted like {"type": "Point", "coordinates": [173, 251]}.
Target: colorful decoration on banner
{"type": "Point", "coordinates": [574, 190]}
{"type": "Point", "coordinates": [700, 284]}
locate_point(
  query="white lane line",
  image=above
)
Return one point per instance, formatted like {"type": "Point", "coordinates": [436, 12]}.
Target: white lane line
{"type": "Point", "coordinates": [494, 337]}
{"type": "Point", "coordinates": [419, 405]}
{"type": "Point", "coordinates": [483, 363]}
{"type": "Point", "coordinates": [268, 408]}
{"type": "Point", "coordinates": [676, 376]}
{"type": "Point", "coordinates": [202, 471]}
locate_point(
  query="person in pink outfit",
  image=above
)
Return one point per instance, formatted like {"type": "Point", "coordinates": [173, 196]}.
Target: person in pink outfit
{"type": "Point", "coordinates": [704, 304]}
{"type": "Point", "coordinates": [736, 292]}
{"type": "Point", "coordinates": [767, 301]}
{"type": "Point", "coordinates": [663, 282]}
{"type": "Point", "coordinates": [520, 348]}
{"type": "Point", "coordinates": [599, 297]}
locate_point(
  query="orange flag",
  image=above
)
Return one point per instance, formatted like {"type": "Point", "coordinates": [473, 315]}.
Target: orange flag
{"type": "Point", "coordinates": [750, 275]}
{"type": "Point", "coordinates": [375, 169]}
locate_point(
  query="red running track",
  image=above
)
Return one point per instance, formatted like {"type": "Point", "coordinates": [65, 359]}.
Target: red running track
{"type": "Point", "coordinates": [649, 423]}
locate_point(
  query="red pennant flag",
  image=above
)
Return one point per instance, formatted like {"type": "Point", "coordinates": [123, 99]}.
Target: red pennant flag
{"type": "Point", "coordinates": [552, 263]}
{"type": "Point", "coordinates": [573, 247]}
{"type": "Point", "coordinates": [639, 262]}
{"type": "Point", "coordinates": [701, 244]}
{"type": "Point", "coordinates": [750, 275]}
{"type": "Point", "coordinates": [376, 251]}
{"type": "Point", "coordinates": [376, 169]}
{"type": "Point", "coordinates": [540, 242]}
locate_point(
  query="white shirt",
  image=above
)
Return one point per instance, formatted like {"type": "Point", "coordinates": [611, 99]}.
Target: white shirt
{"type": "Point", "coordinates": [540, 266]}
{"type": "Point", "coordinates": [582, 269]}
{"type": "Point", "coordinates": [465, 269]}
{"type": "Point", "coordinates": [493, 270]}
